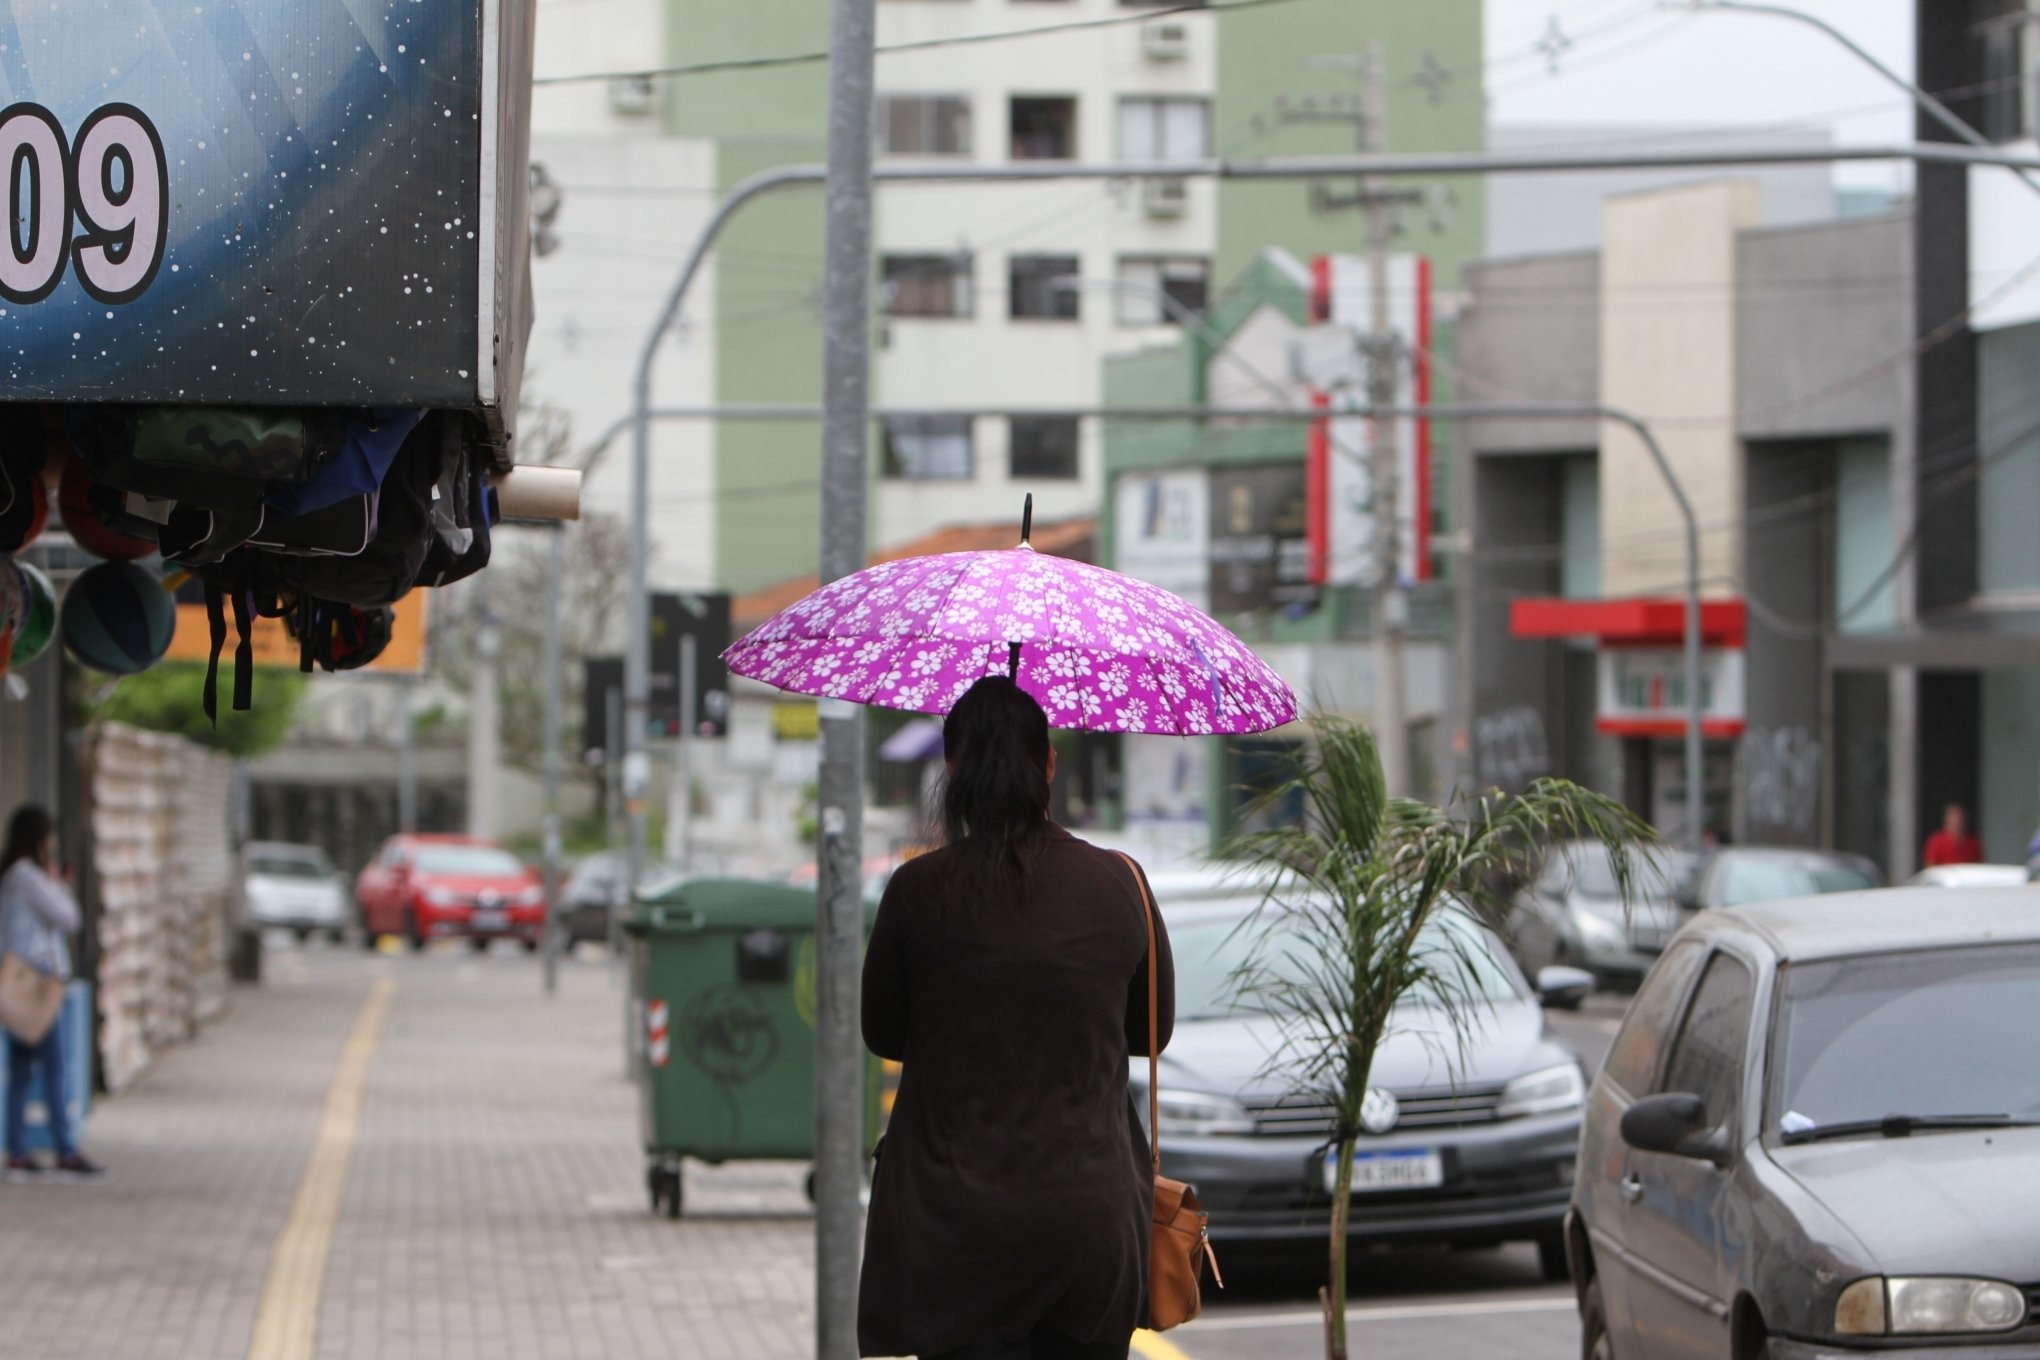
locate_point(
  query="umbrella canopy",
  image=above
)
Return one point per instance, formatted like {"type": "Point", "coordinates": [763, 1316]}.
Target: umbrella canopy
{"type": "Point", "coordinates": [920, 739]}
{"type": "Point", "coordinates": [1096, 649]}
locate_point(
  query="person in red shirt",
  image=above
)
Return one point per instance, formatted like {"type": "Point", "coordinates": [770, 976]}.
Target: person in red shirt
{"type": "Point", "coordinates": [1953, 844]}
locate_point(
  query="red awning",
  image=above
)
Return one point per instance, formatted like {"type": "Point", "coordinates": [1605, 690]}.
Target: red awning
{"type": "Point", "coordinates": [1642, 622]}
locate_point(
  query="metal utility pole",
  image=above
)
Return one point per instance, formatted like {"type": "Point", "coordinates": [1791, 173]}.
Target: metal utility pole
{"type": "Point", "coordinates": [555, 569]}
{"type": "Point", "coordinates": [407, 760]}
{"type": "Point", "coordinates": [484, 718]}
{"type": "Point", "coordinates": [680, 797]}
{"type": "Point", "coordinates": [839, 895]}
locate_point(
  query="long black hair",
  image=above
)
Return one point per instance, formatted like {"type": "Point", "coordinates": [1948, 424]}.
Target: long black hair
{"type": "Point", "coordinates": [995, 806]}
{"type": "Point", "coordinates": [27, 829]}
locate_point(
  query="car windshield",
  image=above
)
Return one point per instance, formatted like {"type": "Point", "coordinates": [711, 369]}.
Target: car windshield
{"type": "Point", "coordinates": [1938, 1033]}
{"type": "Point", "coordinates": [1210, 950]}
{"type": "Point", "coordinates": [1653, 877]}
{"type": "Point", "coordinates": [1772, 880]}
{"type": "Point", "coordinates": [289, 866]}
{"type": "Point", "coordinates": [479, 861]}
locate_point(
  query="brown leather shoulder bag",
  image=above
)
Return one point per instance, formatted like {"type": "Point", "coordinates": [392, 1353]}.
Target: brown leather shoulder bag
{"type": "Point", "coordinates": [1180, 1235]}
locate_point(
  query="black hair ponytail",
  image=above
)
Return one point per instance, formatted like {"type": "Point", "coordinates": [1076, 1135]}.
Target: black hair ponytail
{"type": "Point", "coordinates": [995, 806]}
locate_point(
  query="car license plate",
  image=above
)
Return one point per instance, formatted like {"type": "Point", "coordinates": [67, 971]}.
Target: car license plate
{"type": "Point", "coordinates": [1402, 1169]}
{"type": "Point", "coordinates": [489, 920]}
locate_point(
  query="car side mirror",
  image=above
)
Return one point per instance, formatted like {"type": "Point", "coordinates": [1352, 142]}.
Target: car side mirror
{"type": "Point", "coordinates": [1674, 1123]}
{"type": "Point", "coordinates": [1563, 988]}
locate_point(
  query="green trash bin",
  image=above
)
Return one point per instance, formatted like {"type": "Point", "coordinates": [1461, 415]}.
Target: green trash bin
{"type": "Point", "coordinates": [723, 1003]}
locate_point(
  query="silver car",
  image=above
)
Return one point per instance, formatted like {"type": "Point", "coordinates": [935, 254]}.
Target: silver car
{"type": "Point", "coordinates": [1471, 1148]}
{"type": "Point", "coordinates": [294, 887]}
{"type": "Point", "coordinates": [1573, 913]}
{"type": "Point", "coordinates": [1817, 1134]}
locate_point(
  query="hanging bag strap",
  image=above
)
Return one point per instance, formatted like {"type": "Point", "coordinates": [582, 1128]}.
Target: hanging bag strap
{"type": "Point", "coordinates": [1154, 1017]}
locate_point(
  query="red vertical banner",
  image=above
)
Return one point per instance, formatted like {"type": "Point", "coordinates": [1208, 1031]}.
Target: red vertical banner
{"type": "Point", "coordinates": [1422, 386]}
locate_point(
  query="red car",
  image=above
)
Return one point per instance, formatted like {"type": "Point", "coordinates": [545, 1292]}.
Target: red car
{"type": "Point", "coordinates": [433, 887]}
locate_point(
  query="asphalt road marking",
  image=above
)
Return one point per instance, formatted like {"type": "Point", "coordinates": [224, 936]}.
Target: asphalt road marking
{"type": "Point", "coordinates": [287, 1320]}
{"type": "Point", "coordinates": [1243, 1322]}
{"type": "Point", "coordinates": [1154, 1346]}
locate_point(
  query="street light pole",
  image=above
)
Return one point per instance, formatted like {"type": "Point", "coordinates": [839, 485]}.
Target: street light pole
{"type": "Point", "coordinates": [839, 895]}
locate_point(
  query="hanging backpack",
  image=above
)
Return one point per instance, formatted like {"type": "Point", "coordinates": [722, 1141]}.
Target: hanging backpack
{"type": "Point", "coordinates": [24, 501]}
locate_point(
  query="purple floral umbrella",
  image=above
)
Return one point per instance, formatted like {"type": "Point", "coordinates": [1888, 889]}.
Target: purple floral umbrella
{"type": "Point", "coordinates": [1098, 650]}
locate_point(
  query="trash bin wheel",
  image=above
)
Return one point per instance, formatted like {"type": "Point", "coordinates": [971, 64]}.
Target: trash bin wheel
{"type": "Point", "coordinates": [664, 1184]}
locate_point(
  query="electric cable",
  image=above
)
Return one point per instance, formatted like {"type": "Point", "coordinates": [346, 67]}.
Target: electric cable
{"type": "Point", "coordinates": [1139, 16]}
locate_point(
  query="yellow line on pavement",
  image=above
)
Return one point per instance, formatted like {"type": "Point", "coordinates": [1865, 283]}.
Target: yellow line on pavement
{"type": "Point", "coordinates": [287, 1321]}
{"type": "Point", "coordinates": [1154, 1346]}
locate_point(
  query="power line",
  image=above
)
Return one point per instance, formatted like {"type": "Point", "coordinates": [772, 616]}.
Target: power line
{"type": "Point", "coordinates": [819, 57]}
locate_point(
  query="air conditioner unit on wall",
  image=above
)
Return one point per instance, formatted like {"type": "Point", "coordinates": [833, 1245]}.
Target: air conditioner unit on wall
{"type": "Point", "coordinates": [1167, 197]}
{"type": "Point", "coordinates": [1167, 41]}
{"type": "Point", "coordinates": [633, 95]}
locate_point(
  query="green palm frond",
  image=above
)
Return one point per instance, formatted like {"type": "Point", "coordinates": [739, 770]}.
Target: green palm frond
{"type": "Point", "coordinates": [1345, 932]}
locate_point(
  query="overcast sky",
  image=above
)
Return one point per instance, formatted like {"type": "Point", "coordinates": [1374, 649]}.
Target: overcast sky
{"type": "Point", "coordinates": [1638, 61]}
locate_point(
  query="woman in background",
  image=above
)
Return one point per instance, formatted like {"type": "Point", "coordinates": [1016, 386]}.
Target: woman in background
{"type": "Point", "coordinates": [38, 915]}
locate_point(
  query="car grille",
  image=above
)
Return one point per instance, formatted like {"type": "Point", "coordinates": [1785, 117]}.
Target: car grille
{"type": "Point", "coordinates": [1433, 1108]}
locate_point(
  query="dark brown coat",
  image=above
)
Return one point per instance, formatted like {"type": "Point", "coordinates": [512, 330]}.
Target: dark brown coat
{"type": "Point", "coordinates": [1013, 1188]}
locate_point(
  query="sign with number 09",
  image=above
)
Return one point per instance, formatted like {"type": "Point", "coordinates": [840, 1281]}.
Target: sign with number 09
{"type": "Point", "coordinates": [112, 181]}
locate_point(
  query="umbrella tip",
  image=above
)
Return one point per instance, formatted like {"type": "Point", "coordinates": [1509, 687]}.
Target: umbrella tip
{"type": "Point", "coordinates": [1027, 521]}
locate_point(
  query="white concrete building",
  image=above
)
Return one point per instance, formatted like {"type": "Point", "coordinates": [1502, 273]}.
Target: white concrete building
{"type": "Point", "coordinates": [1053, 275]}
{"type": "Point", "coordinates": [631, 198]}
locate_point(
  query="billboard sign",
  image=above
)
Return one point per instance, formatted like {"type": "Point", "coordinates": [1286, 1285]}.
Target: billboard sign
{"type": "Point", "coordinates": [1344, 549]}
{"type": "Point", "coordinates": [1643, 691]}
{"type": "Point", "coordinates": [250, 201]}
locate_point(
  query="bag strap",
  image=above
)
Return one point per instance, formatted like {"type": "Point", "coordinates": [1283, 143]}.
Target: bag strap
{"type": "Point", "coordinates": [1154, 1018]}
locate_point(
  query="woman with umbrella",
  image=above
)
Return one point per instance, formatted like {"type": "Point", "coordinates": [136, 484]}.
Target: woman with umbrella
{"type": "Point", "coordinates": [1008, 971]}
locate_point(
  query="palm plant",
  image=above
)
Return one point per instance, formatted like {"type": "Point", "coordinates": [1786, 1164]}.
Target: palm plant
{"type": "Point", "coordinates": [1359, 879]}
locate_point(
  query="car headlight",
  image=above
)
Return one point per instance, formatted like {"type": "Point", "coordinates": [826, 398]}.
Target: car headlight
{"type": "Point", "coordinates": [1546, 1091]}
{"type": "Point", "coordinates": [1189, 1114]}
{"type": "Point", "coordinates": [1916, 1304]}
{"type": "Point", "coordinates": [442, 897]}
{"type": "Point", "coordinates": [530, 897]}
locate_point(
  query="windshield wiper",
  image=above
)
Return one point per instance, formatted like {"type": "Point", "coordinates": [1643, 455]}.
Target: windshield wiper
{"type": "Point", "coordinates": [1904, 1126]}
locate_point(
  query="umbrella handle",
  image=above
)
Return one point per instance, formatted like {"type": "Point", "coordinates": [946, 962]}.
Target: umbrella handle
{"type": "Point", "coordinates": [1012, 661]}
{"type": "Point", "coordinates": [1027, 521]}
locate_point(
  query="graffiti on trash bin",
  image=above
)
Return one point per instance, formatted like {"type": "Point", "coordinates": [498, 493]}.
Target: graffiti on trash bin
{"type": "Point", "coordinates": [730, 1039]}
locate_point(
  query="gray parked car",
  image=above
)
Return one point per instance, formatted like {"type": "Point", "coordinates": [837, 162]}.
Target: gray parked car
{"type": "Point", "coordinates": [1470, 1148]}
{"type": "Point", "coordinates": [1818, 1133]}
{"type": "Point", "coordinates": [1572, 912]}
{"type": "Point", "coordinates": [1741, 874]}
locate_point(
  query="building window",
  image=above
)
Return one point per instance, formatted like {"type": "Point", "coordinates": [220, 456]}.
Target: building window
{"type": "Point", "coordinates": [1153, 129]}
{"type": "Point", "coordinates": [1145, 280]}
{"type": "Point", "coordinates": [1031, 289]}
{"type": "Point", "coordinates": [926, 285]}
{"type": "Point", "coordinates": [1042, 446]}
{"type": "Point", "coordinates": [924, 125]}
{"type": "Point", "coordinates": [1044, 129]}
{"type": "Point", "coordinates": [929, 448]}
